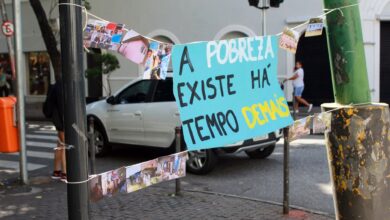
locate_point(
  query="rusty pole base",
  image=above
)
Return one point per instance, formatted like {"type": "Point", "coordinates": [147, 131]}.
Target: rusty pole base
{"type": "Point", "coordinates": [358, 149]}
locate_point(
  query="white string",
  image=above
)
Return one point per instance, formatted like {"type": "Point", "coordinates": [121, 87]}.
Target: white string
{"type": "Point", "coordinates": [81, 182]}
{"type": "Point", "coordinates": [323, 15]}
{"type": "Point", "coordinates": [296, 27]}
{"type": "Point", "coordinates": [97, 17]}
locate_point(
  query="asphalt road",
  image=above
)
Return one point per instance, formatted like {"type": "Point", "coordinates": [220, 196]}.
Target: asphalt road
{"type": "Point", "coordinates": [234, 174]}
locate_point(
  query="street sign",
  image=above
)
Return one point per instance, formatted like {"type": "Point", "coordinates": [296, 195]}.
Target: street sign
{"type": "Point", "coordinates": [8, 28]}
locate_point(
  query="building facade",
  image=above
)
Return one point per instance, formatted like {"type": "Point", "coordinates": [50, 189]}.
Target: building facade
{"type": "Point", "coordinates": [201, 20]}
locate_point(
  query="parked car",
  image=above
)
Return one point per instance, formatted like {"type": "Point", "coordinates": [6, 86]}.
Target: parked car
{"type": "Point", "coordinates": [144, 113]}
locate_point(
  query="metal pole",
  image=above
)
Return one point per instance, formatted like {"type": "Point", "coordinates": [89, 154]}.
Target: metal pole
{"type": "Point", "coordinates": [264, 27]}
{"type": "Point", "coordinates": [92, 144]}
{"type": "Point", "coordinates": [286, 172]}
{"type": "Point", "coordinates": [178, 149]}
{"type": "Point", "coordinates": [74, 102]}
{"type": "Point", "coordinates": [20, 92]}
{"type": "Point", "coordinates": [9, 41]}
{"type": "Point", "coordinates": [294, 113]}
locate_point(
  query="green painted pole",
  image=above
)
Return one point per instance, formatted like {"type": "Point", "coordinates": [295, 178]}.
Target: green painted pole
{"type": "Point", "coordinates": [358, 136]}
{"type": "Point", "coordinates": [346, 53]}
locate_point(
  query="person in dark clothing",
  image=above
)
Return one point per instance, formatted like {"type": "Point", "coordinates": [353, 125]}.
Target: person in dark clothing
{"type": "Point", "coordinates": [58, 121]}
{"type": "Point", "coordinates": [4, 87]}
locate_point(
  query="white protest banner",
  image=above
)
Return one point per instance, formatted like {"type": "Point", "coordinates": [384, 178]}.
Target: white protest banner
{"type": "Point", "coordinates": [227, 91]}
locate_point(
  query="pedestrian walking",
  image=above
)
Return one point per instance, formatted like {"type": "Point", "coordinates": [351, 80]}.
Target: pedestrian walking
{"type": "Point", "coordinates": [4, 86]}
{"type": "Point", "coordinates": [299, 86]}
{"type": "Point", "coordinates": [55, 105]}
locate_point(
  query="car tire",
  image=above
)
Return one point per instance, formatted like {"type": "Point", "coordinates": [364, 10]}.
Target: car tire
{"type": "Point", "coordinates": [102, 147]}
{"type": "Point", "coordinates": [201, 161]}
{"type": "Point", "coordinates": [262, 152]}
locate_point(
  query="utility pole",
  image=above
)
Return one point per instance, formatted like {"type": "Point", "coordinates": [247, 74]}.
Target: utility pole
{"type": "Point", "coordinates": [264, 8]}
{"type": "Point", "coordinates": [20, 92]}
{"type": "Point", "coordinates": [346, 53]}
{"type": "Point", "coordinates": [357, 139]}
{"type": "Point", "coordinates": [74, 104]}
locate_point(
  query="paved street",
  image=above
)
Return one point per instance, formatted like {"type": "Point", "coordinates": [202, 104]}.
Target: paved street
{"type": "Point", "coordinates": [234, 175]}
{"type": "Point", "coordinates": [41, 139]}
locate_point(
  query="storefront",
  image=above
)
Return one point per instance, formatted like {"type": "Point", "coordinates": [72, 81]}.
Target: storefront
{"type": "Point", "coordinates": [38, 73]}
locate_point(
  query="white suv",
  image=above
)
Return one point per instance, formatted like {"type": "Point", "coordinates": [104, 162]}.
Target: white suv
{"type": "Point", "coordinates": [144, 113]}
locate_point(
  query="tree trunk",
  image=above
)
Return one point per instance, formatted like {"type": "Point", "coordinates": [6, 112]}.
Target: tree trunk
{"type": "Point", "coordinates": [48, 36]}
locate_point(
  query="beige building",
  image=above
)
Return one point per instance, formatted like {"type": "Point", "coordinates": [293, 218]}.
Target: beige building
{"type": "Point", "coordinates": [201, 20]}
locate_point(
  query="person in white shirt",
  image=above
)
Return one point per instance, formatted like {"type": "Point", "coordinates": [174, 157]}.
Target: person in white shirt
{"type": "Point", "coordinates": [299, 85]}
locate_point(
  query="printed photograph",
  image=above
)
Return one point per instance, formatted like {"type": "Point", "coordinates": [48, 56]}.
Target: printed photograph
{"type": "Point", "coordinates": [318, 125]}
{"type": "Point", "coordinates": [104, 35]}
{"type": "Point", "coordinates": [321, 122]}
{"type": "Point", "coordinates": [112, 181]}
{"type": "Point", "coordinates": [152, 61]}
{"type": "Point", "coordinates": [166, 167]}
{"type": "Point", "coordinates": [157, 60]}
{"type": "Point", "coordinates": [289, 40]}
{"type": "Point", "coordinates": [133, 178]}
{"type": "Point", "coordinates": [179, 165]}
{"type": "Point", "coordinates": [134, 47]}
{"type": "Point", "coordinates": [172, 166]}
{"type": "Point", "coordinates": [314, 28]}
{"type": "Point", "coordinates": [95, 189]}
{"type": "Point", "coordinates": [149, 173]}
{"type": "Point", "coordinates": [300, 128]}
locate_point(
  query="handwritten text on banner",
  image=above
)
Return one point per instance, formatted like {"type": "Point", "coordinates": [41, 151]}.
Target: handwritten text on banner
{"type": "Point", "coordinates": [227, 91]}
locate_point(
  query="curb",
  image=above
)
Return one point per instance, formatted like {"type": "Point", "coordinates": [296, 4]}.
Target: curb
{"type": "Point", "coordinates": [263, 201]}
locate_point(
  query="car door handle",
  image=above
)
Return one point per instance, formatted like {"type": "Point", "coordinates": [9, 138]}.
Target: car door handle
{"type": "Point", "coordinates": [138, 113]}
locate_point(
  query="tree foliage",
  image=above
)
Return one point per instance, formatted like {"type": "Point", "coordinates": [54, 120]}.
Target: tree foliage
{"type": "Point", "coordinates": [109, 64]}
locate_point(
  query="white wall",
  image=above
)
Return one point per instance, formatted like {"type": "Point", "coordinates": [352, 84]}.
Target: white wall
{"type": "Point", "coordinates": [372, 11]}
{"type": "Point", "coordinates": [201, 20]}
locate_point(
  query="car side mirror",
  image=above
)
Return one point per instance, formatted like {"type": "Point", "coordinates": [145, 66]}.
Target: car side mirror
{"type": "Point", "coordinates": [110, 100]}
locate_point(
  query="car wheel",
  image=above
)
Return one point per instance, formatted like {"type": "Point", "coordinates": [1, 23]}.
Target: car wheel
{"type": "Point", "coordinates": [262, 152]}
{"type": "Point", "coordinates": [201, 161]}
{"type": "Point", "coordinates": [102, 148]}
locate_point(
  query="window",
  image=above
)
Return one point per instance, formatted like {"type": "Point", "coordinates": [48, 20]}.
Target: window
{"type": "Point", "coordinates": [164, 91]}
{"type": "Point", "coordinates": [136, 93]}
{"type": "Point", "coordinates": [39, 73]}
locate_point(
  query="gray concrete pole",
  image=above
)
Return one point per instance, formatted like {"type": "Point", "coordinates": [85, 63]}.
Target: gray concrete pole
{"type": "Point", "coordinates": [20, 92]}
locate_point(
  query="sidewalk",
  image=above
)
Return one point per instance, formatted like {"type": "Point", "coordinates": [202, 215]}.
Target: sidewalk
{"type": "Point", "coordinates": [46, 199]}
